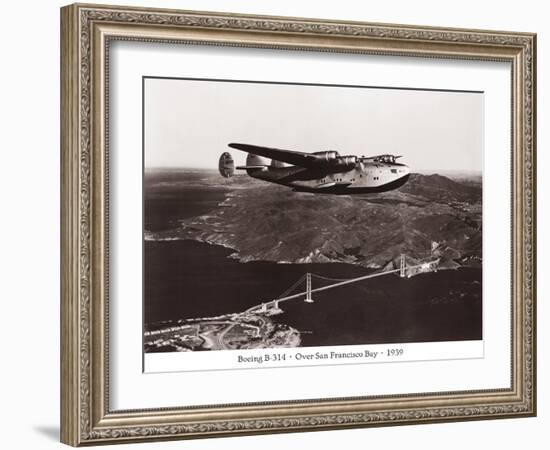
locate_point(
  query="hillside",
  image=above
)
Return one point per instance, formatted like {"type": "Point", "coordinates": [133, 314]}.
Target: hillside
{"type": "Point", "coordinates": [431, 213]}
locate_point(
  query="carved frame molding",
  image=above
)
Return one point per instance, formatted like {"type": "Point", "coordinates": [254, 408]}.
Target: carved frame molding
{"type": "Point", "coordinates": [86, 31]}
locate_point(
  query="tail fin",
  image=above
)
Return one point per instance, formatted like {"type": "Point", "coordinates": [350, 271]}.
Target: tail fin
{"type": "Point", "coordinates": [226, 165]}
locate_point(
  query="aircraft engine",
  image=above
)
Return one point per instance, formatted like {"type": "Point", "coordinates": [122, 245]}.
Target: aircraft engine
{"type": "Point", "coordinates": [346, 161]}
{"type": "Point", "coordinates": [255, 160]}
{"type": "Point", "coordinates": [226, 165]}
{"type": "Point", "coordinates": [328, 156]}
{"type": "Point", "coordinates": [332, 159]}
{"type": "Point", "coordinates": [278, 164]}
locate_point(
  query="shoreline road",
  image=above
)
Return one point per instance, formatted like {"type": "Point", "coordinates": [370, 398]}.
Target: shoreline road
{"type": "Point", "coordinates": [220, 337]}
{"type": "Point", "coordinates": [217, 341]}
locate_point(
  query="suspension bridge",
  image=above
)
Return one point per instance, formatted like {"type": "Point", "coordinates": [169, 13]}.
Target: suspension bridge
{"type": "Point", "coordinates": [272, 307]}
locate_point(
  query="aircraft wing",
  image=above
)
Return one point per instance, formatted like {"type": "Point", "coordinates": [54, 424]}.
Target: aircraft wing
{"type": "Point", "coordinates": [301, 159]}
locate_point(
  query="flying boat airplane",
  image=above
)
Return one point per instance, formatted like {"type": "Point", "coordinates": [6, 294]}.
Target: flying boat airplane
{"type": "Point", "coordinates": [323, 172]}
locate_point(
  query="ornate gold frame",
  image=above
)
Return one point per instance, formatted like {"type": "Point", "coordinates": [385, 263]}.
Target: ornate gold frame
{"type": "Point", "coordinates": [86, 31]}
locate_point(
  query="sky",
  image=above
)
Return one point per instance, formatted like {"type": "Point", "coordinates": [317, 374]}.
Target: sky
{"type": "Point", "coordinates": [188, 123]}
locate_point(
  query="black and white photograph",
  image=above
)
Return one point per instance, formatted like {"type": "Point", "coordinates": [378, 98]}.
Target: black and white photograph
{"type": "Point", "coordinates": [280, 215]}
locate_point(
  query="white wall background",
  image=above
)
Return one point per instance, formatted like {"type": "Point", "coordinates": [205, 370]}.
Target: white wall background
{"type": "Point", "coordinates": [29, 222]}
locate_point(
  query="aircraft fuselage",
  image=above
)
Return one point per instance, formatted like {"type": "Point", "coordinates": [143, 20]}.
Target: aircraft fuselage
{"type": "Point", "coordinates": [365, 178]}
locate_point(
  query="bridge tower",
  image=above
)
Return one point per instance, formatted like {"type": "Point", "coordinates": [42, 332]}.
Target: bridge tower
{"type": "Point", "coordinates": [308, 298]}
{"type": "Point", "coordinates": [402, 266]}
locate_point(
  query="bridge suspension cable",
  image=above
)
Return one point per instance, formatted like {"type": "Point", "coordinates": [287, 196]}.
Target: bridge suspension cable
{"type": "Point", "coordinates": [291, 288]}
{"type": "Point", "coordinates": [403, 268]}
{"type": "Point", "coordinates": [320, 277]}
{"type": "Point", "coordinates": [332, 286]}
{"type": "Point", "coordinates": [347, 281]}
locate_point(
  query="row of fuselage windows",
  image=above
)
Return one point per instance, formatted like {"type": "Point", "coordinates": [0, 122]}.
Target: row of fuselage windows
{"type": "Point", "coordinates": [352, 180]}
